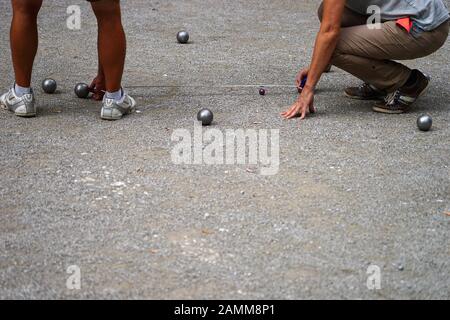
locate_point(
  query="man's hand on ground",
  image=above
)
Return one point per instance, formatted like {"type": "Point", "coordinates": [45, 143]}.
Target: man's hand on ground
{"type": "Point", "coordinates": [302, 107]}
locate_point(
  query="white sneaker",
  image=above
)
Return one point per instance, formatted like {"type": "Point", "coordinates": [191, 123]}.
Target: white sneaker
{"type": "Point", "coordinates": [22, 106]}
{"type": "Point", "coordinates": [113, 110]}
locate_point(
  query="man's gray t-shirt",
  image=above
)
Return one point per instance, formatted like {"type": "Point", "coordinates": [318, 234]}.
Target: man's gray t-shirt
{"type": "Point", "coordinates": [426, 15]}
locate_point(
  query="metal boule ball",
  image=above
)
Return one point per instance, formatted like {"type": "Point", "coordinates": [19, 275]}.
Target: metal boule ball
{"type": "Point", "coordinates": [49, 86]}
{"type": "Point", "coordinates": [183, 37]}
{"type": "Point", "coordinates": [205, 116]}
{"type": "Point", "coordinates": [82, 90]}
{"type": "Point", "coordinates": [424, 123]}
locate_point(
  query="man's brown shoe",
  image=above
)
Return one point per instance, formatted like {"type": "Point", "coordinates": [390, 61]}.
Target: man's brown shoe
{"type": "Point", "coordinates": [365, 92]}
{"type": "Point", "coordinates": [401, 100]}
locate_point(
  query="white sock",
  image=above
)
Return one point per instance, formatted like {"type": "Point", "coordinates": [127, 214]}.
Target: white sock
{"type": "Point", "coordinates": [21, 91]}
{"type": "Point", "coordinates": [116, 96]}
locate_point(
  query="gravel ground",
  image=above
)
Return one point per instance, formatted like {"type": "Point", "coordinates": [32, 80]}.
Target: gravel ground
{"type": "Point", "coordinates": [354, 188]}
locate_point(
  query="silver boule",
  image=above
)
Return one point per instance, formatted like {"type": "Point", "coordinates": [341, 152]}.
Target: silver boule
{"type": "Point", "coordinates": [205, 116]}
{"type": "Point", "coordinates": [183, 37]}
{"type": "Point", "coordinates": [49, 86]}
{"type": "Point", "coordinates": [424, 123]}
{"type": "Point", "coordinates": [82, 90]}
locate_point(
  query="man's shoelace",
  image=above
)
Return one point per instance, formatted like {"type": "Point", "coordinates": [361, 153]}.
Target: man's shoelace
{"type": "Point", "coordinates": [364, 86]}
{"type": "Point", "coordinates": [392, 98]}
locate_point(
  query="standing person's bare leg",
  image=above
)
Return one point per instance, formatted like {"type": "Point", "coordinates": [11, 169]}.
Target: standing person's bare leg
{"type": "Point", "coordinates": [24, 45]}
{"type": "Point", "coordinates": [111, 42]}
{"type": "Point", "coordinates": [24, 38]}
{"type": "Point", "coordinates": [112, 52]}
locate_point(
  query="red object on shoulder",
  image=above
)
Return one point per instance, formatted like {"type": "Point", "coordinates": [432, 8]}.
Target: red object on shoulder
{"type": "Point", "coordinates": [405, 23]}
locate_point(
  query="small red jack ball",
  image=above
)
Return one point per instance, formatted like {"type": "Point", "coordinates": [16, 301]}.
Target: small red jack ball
{"type": "Point", "coordinates": [262, 91]}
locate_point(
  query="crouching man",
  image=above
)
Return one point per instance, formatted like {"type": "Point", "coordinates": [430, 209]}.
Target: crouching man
{"type": "Point", "coordinates": [349, 40]}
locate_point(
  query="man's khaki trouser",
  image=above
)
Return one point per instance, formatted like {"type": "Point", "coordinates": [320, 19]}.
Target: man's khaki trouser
{"type": "Point", "coordinates": [368, 54]}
